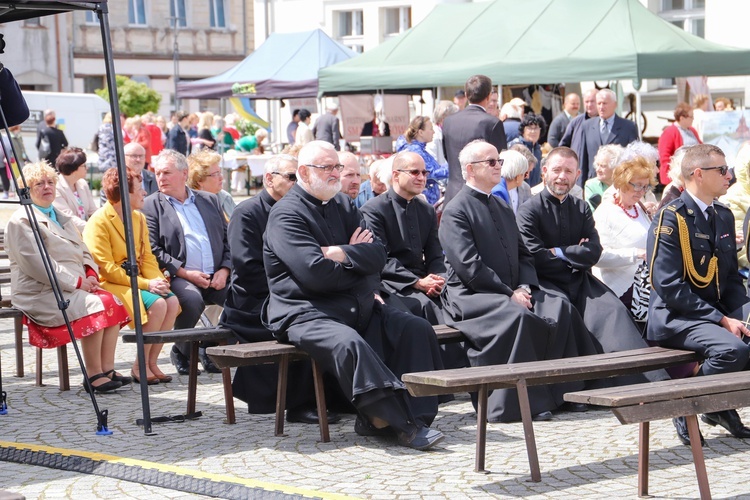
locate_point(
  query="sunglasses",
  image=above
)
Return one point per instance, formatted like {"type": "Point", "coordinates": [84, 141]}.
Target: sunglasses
{"type": "Point", "coordinates": [491, 162]}
{"type": "Point", "coordinates": [290, 177]}
{"type": "Point", "coordinates": [722, 169]}
{"type": "Point", "coordinates": [414, 172]}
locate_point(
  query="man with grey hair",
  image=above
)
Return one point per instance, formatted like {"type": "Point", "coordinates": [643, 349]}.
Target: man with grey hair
{"type": "Point", "coordinates": [608, 129]}
{"type": "Point", "coordinates": [492, 293]}
{"type": "Point", "coordinates": [378, 183]}
{"type": "Point", "coordinates": [351, 178]}
{"type": "Point", "coordinates": [188, 234]}
{"type": "Point", "coordinates": [327, 127]}
{"type": "Point", "coordinates": [256, 385]}
{"type": "Point", "coordinates": [323, 267]}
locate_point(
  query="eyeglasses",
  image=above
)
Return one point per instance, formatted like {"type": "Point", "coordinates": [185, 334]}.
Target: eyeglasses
{"type": "Point", "coordinates": [327, 168]}
{"type": "Point", "coordinates": [415, 172]}
{"type": "Point", "coordinates": [491, 162]}
{"type": "Point", "coordinates": [290, 177]}
{"type": "Point", "coordinates": [532, 128]}
{"type": "Point", "coordinates": [43, 183]}
{"type": "Point", "coordinates": [215, 174]}
{"type": "Point", "coordinates": [722, 169]}
{"type": "Point", "coordinates": [641, 188]}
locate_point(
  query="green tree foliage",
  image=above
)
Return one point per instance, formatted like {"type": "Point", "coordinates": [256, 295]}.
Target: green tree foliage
{"type": "Point", "coordinates": [134, 98]}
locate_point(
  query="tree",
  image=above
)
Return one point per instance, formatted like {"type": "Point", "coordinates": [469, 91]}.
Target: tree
{"type": "Point", "coordinates": [134, 98]}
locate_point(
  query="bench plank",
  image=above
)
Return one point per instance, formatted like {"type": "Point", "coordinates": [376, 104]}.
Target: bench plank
{"type": "Point", "coordinates": [187, 335]}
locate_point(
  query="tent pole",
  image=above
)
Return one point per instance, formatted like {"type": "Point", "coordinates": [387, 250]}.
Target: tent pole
{"type": "Point", "coordinates": [130, 265]}
{"type": "Point", "coordinates": [638, 107]}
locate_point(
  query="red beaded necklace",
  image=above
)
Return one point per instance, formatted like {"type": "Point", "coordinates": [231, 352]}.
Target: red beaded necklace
{"type": "Point", "coordinates": [635, 208]}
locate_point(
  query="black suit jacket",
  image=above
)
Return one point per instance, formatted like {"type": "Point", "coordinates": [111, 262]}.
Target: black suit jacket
{"type": "Point", "coordinates": [367, 130]}
{"type": "Point", "coordinates": [409, 231]}
{"type": "Point", "coordinates": [149, 182]}
{"type": "Point", "coordinates": [462, 128]}
{"type": "Point", "coordinates": [303, 284]}
{"type": "Point", "coordinates": [623, 133]}
{"type": "Point", "coordinates": [168, 238]}
{"type": "Point", "coordinates": [675, 303]}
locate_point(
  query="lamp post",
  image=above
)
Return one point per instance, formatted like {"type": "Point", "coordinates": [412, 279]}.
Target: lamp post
{"type": "Point", "coordinates": [176, 56]}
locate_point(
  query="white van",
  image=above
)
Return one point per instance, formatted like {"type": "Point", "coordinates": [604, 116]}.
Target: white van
{"type": "Point", "coordinates": [78, 116]}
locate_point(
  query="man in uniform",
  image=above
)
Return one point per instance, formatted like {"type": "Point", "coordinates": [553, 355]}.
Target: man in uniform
{"type": "Point", "coordinates": [698, 301]}
{"type": "Point", "coordinates": [492, 293]}
{"type": "Point", "coordinates": [256, 385]}
{"type": "Point", "coordinates": [558, 229]}
{"type": "Point", "coordinates": [323, 267]}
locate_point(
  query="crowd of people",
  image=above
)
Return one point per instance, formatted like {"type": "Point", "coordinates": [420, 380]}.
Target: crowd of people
{"type": "Point", "coordinates": [540, 252]}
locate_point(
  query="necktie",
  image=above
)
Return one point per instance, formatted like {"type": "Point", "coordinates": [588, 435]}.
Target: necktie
{"type": "Point", "coordinates": [603, 131]}
{"type": "Point", "coordinates": [711, 218]}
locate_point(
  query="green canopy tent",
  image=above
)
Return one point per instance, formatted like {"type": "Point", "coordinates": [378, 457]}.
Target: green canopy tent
{"type": "Point", "coordinates": [534, 41]}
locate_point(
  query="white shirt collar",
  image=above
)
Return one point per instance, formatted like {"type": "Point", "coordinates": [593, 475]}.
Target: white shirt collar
{"type": "Point", "coordinates": [477, 189]}
{"type": "Point", "coordinates": [700, 204]}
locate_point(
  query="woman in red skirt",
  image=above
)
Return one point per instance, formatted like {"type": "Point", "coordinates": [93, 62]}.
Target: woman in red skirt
{"type": "Point", "coordinates": [95, 315]}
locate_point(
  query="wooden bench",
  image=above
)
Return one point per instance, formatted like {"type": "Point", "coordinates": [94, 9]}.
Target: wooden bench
{"type": "Point", "coordinates": [642, 403]}
{"type": "Point", "coordinates": [273, 352]}
{"type": "Point", "coordinates": [195, 336]}
{"type": "Point", "coordinates": [483, 379]}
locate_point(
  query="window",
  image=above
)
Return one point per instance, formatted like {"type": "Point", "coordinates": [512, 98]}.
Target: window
{"type": "Point", "coordinates": [91, 17]}
{"type": "Point", "coordinates": [92, 83]}
{"type": "Point", "coordinates": [349, 23]}
{"type": "Point", "coordinates": [33, 22]}
{"type": "Point", "coordinates": [137, 12]}
{"type": "Point", "coordinates": [396, 20]}
{"type": "Point", "coordinates": [177, 10]}
{"type": "Point", "coordinates": [217, 8]}
{"type": "Point", "coordinates": [688, 15]}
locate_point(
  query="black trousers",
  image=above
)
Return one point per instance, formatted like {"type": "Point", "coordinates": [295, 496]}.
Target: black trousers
{"type": "Point", "coordinates": [193, 301]}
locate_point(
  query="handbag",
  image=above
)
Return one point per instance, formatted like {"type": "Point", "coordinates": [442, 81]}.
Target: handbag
{"type": "Point", "coordinates": [44, 147]}
{"type": "Point", "coordinates": [641, 293]}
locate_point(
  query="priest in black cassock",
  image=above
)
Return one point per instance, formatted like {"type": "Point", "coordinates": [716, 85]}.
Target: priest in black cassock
{"type": "Point", "coordinates": [492, 293]}
{"type": "Point", "coordinates": [256, 385]}
{"type": "Point", "coordinates": [323, 267]}
{"type": "Point", "coordinates": [407, 225]}
{"type": "Point", "coordinates": [559, 231]}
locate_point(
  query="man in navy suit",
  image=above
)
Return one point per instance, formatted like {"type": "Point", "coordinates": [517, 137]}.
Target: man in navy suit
{"type": "Point", "coordinates": [607, 129]}
{"type": "Point", "coordinates": [188, 234]}
{"type": "Point", "coordinates": [467, 125]}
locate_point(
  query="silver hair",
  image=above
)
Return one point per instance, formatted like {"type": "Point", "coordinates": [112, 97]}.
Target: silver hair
{"type": "Point", "coordinates": [468, 155]}
{"type": "Point", "coordinates": [384, 170]}
{"type": "Point", "coordinates": [608, 92]}
{"type": "Point", "coordinates": [443, 110]}
{"type": "Point", "coordinates": [640, 149]}
{"type": "Point", "coordinates": [514, 164]}
{"type": "Point", "coordinates": [170, 155]}
{"type": "Point", "coordinates": [675, 167]}
{"type": "Point", "coordinates": [510, 111]}
{"type": "Point", "coordinates": [273, 163]}
{"type": "Point", "coordinates": [609, 155]}
{"type": "Point", "coordinates": [310, 150]}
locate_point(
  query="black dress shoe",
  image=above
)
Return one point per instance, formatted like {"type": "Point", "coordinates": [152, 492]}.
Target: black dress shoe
{"type": "Point", "coordinates": [364, 428]}
{"type": "Point", "coordinates": [309, 416]}
{"type": "Point", "coordinates": [680, 425]}
{"type": "Point", "coordinates": [574, 407]}
{"type": "Point", "coordinates": [542, 417]}
{"type": "Point", "coordinates": [730, 420]}
{"type": "Point", "coordinates": [179, 361]}
{"type": "Point", "coordinates": [208, 365]}
{"type": "Point", "coordinates": [422, 438]}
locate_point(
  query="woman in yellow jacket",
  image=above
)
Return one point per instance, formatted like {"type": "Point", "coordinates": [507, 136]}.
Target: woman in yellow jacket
{"type": "Point", "coordinates": [104, 234]}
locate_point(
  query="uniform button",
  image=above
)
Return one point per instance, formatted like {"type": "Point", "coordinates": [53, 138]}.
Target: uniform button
{"type": "Point", "coordinates": [353, 309]}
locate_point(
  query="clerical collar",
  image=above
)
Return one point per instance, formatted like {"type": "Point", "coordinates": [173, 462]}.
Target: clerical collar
{"type": "Point", "coordinates": [399, 199]}
{"type": "Point", "coordinates": [266, 197]}
{"type": "Point", "coordinates": [477, 189]}
{"type": "Point", "coordinates": [553, 197]}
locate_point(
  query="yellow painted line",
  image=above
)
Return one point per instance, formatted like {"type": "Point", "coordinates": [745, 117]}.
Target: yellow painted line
{"type": "Point", "coordinates": [101, 457]}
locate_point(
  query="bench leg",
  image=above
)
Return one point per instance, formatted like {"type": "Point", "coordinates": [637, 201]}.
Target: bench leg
{"type": "Point", "coordinates": [643, 450]}
{"type": "Point", "coordinates": [528, 430]}
{"type": "Point", "coordinates": [700, 464]}
{"type": "Point", "coordinates": [62, 368]}
{"type": "Point", "coordinates": [226, 381]}
{"type": "Point", "coordinates": [18, 327]}
{"type": "Point", "coordinates": [481, 429]}
{"type": "Point", "coordinates": [38, 382]}
{"type": "Point", "coordinates": [320, 400]}
{"type": "Point", "coordinates": [281, 394]}
{"type": "Point", "coordinates": [192, 378]}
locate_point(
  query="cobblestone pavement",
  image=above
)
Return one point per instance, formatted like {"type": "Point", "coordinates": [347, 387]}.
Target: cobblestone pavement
{"type": "Point", "coordinates": [582, 455]}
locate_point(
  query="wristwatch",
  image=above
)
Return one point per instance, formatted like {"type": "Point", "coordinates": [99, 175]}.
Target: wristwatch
{"type": "Point", "coordinates": [525, 288]}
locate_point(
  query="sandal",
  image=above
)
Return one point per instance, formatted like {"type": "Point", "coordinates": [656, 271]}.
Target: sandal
{"type": "Point", "coordinates": [113, 375]}
{"type": "Point", "coordinates": [163, 378]}
{"type": "Point", "coordinates": [149, 380]}
{"type": "Point", "coordinates": [109, 386]}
